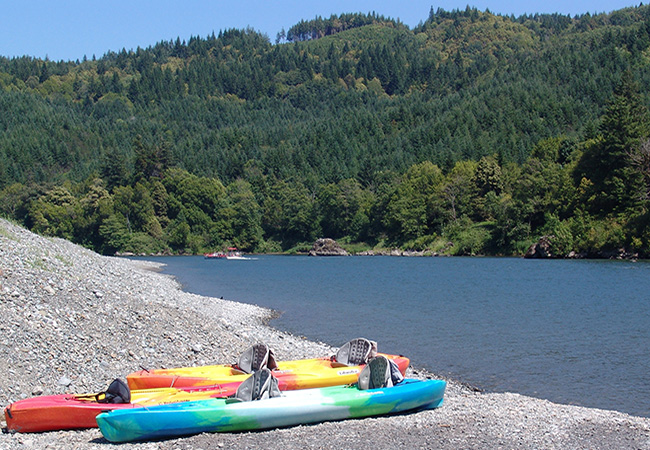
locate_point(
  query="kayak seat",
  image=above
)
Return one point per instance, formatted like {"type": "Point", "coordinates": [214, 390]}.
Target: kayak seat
{"type": "Point", "coordinates": [380, 372]}
{"type": "Point", "coordinates": [118, 392]}
{"type": "Point", "coordinates": [256, 357]}
{"type": "Point", "coordinates": [260, 385]}
{"type": "Point", "coordinates": [356, 352]}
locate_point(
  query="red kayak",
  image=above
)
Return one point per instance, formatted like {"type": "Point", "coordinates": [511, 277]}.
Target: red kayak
{"type": "Point", "coordinates": [71, 411]}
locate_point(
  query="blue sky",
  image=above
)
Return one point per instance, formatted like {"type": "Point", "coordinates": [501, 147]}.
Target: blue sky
{"type": "Point", "coordinates": [70, 29]}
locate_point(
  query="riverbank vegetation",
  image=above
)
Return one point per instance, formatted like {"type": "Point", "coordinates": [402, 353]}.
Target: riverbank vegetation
{"type": "Point", "coordinates": [472, 133]}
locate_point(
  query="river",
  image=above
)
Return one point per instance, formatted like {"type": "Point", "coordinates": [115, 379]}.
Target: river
{"type": "Point", "coordinates": [571, 331]}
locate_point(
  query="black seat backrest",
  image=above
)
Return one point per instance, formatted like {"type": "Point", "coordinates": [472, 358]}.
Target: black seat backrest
{"type": "Point", "coordinates": [118, 392]}
{"type": "Point", "coordinates": [380, 372]}
{"type": "Point", "coordinates": [356, 352]}
{"type": "Point", "coordinates": [256, 357]}
{"type": "Point", "coordinates": [260, 385]}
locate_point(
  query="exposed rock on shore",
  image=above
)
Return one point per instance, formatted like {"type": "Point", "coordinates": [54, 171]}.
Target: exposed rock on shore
{"type": "Point", "coordinates": [544, 249]}
{"type": "Point", "coordinates": [327, 247]}
{"type": "Point", "coordinates": [398, 252]}
{"type": "Point", "coordinates": [71, 321]}
{"type": "Point", "coordinates": [540, 249]}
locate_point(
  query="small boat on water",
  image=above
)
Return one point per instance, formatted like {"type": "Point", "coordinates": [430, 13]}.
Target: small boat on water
{"type": "Point", "coordinates": [234, 254]}
{"type": "Point", "coordinates": [214, 255]}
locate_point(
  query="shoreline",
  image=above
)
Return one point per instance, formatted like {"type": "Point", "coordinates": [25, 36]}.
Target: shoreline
{"type": "Point", "coordinates": [396, 253]}
{"type": "Point", "coordinates": [72, 321]}
{"type": "Point", "coordinates": [274, 314]}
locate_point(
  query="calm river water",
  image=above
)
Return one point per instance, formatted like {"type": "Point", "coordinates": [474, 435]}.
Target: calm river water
{"type": "Point", "coordinates": [574, 332]}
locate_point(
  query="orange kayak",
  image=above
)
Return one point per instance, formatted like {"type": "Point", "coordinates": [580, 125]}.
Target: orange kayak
{"type": "Point", "coordinates": [71, 411]}
{"type": "Point", "coordinates": [291, 375]}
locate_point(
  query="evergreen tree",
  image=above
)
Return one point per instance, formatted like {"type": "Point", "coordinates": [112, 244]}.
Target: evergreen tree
{"type": "Point", "coordinates": [114, 169]}
{"type": "Point", "coordinates": [616, 184]}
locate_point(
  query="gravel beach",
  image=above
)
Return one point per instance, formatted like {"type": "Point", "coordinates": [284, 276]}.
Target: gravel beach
{"type": "Point", "coordinates": [72, 321]}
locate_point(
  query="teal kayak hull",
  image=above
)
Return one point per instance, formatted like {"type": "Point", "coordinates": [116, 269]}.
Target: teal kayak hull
{"type": "Point", "coordinates": [293, 408]}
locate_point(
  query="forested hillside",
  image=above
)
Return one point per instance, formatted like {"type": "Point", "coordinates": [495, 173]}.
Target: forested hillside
{"type": "Point", "coordinates": [472, 133]}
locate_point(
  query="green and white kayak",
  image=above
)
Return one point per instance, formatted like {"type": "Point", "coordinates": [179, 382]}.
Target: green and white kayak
{"type": "Point", "coordinates": [292, 408]}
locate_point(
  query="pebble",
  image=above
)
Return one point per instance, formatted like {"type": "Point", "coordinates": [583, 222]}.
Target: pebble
{"type": "Point", "coordinates": [71, 321]}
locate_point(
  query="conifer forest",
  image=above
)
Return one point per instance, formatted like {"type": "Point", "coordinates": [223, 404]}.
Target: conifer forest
{"type": "Point", "coordinates": [469, 134]}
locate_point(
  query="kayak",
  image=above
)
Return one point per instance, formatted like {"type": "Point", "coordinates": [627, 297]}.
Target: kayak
{"type": "Point", "coordinates": [71, 411]}
{"type": "Point", "coordinates": [291, 375]}
{"type": "Point", "coordinates": [341, 368]}
{"type": "Point", "coordinates": [289, 409]}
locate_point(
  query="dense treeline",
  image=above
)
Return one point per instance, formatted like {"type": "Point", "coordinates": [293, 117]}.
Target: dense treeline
{"type": "Point", "coordinates": [319, 27]}
{"type": "Point", "coordinates": [472, 133]}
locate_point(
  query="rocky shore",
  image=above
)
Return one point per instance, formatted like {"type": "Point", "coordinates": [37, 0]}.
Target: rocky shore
{"type": "Point", "coordinates": [72, 321]}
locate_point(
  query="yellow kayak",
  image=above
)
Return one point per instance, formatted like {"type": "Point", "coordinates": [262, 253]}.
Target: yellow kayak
{"type": "Point", "coordinates": [342, 368]}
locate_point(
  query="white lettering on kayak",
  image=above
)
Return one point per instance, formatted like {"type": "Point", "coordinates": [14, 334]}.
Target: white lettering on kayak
{"type": "Point", "coordinates": [347, 372]}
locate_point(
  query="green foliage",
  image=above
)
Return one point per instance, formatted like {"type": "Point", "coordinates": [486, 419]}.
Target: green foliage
{"type": "Point", "coordinates": [96, 205]}
{"type": "Point", "coordinates": [598, 237]}
{"type": "Point", "coordinates": [638, 232]}
{"type": "Point", "coordinates": [467, 239]}
{"type": "Point", "coordinates": [178, 236]}
{"type": "Point", "coordinates": [616, 184]}
{"type": "Point", "coordinates": [319, 27]}
{"type": "Point", "coordinates": [143, 243]}
{"type": "Point", "coordinates": [13, 201]}
{"type": "Point", "coordinates": [245, 215]}
{"type": "Point", "coordinates": [474, 129]}
{"type": "Point", "coordinates": [464, 85]}
{"type": "Point", "coordinates": [561, 238]}
{"type": "Point", "coordinates": [488, 176]}
{"type": "Point", "coordinates": [412, 207]}
{"type": "Point", "coordinates": [53, 213]}
{"type": "Point", "coordinates": [115, 234]}
{"type": "Point", "coordinates": [510, 230]}
{"type": "Point", "coordinates": [289, 214]}
{"type": "Point", "coordinates": [460, 191]}
{"type": "Point", "coordinates": [343, 209]}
